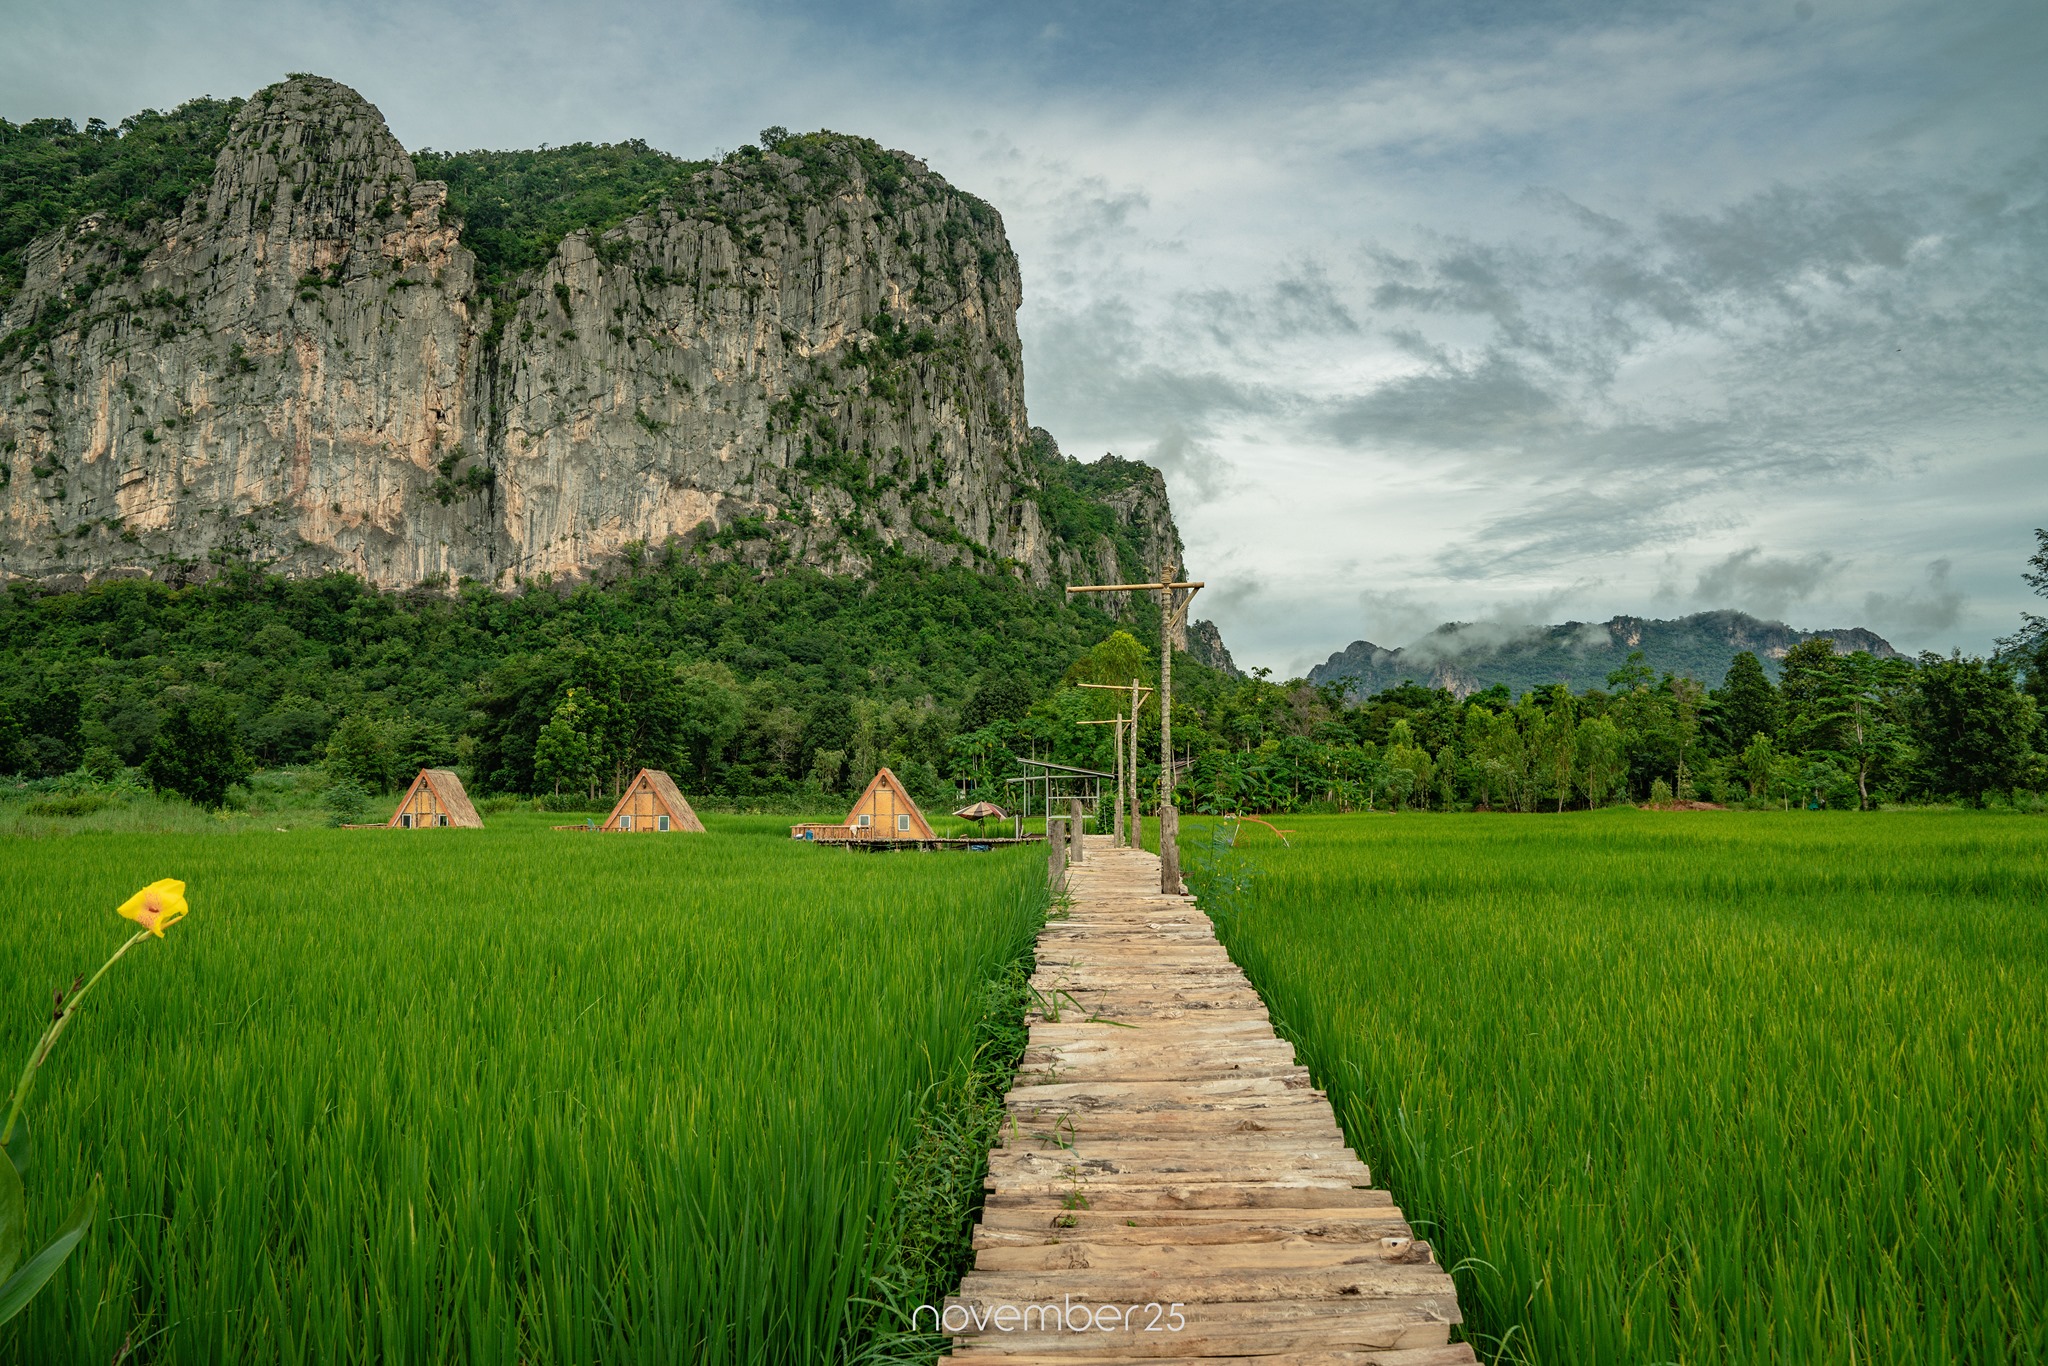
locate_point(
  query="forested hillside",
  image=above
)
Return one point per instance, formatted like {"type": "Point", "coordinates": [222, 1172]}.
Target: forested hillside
{"type": "Point", "coordinates": [790, 689]}
{"type": "Point", "coordinates": [744, 685]}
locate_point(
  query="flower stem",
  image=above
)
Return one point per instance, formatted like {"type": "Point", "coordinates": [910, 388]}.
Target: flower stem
{"type": "Point", "coordinates": [49, 1039]}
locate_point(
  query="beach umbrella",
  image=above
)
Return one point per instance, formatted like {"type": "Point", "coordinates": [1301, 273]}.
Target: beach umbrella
{"type": "Point", "coordinates": [982, 811]}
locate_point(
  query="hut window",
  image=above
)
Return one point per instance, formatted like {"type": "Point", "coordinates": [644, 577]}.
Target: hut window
{"type": "Point", "coordinates": [866, 820]}
{"type": "Point", "coordinates": [442, 819]}
{"type": "Point", "coordinates": [405, 822]}
{"type": "Point", "coordinates": [903, 822]}
{"type": "Point", "coordinates": [661, 822]}
{"type": "Point", "coordinates": [625, 822]}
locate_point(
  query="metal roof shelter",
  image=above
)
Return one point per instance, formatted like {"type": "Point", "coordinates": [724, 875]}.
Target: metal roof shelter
{"type": "Point", "coordinates": [1059, 783]}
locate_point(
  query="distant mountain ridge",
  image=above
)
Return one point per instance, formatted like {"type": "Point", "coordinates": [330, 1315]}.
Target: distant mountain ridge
{"type": "Point", "coordinates": [1467, 657]}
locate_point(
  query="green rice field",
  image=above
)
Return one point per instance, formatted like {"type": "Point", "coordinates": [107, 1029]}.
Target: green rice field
{"type": "Point", "coordinates": [1683, 1087]}
{"type": "Point", "coordinates": [508, 1095]}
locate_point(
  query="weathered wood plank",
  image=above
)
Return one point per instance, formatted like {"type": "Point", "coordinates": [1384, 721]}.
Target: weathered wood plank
{"type": "Point", "coordinates": [1162, 1144]}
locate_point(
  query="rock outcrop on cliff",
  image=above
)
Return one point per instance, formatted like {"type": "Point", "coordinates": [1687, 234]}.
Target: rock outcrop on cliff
{"type": "Point", "coordinates": [806, 355]}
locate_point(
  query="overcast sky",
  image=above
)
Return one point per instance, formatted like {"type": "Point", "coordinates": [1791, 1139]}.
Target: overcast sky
{"type": "Point", "coordinates": [1519, 311]}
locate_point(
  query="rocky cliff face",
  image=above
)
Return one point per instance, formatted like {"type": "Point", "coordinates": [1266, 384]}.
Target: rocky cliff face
{"type": "Point", "coordinates": [800, 358]}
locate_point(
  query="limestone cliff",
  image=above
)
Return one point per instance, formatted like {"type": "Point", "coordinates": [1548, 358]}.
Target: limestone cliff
{"type": "Point", "coordinates": [806, 354]}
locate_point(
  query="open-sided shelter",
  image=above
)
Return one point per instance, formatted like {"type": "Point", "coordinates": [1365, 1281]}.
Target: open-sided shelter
{"type": "Point", "coordinates": [883, 813]}
{"type": "Point", "coordinates": [435, 798]}
{"type": "Point", "coordinates": [652, 804]}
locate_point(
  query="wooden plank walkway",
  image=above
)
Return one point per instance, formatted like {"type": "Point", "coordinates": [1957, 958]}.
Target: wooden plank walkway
{"type": "Point", "coordinates": [1179, 1158]}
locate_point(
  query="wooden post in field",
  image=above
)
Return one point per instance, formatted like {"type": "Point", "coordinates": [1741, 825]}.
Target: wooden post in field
{"type": "Point", "coordinates": [1174, 597]}
{"type": "Point", "coordinates": [1076, 827]}
{"type": "Point", "coordinates": [1117, 834]}
{"type": "Point", "coordinates": [1055, 854]}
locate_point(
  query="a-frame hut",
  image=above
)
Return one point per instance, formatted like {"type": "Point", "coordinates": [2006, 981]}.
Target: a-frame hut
{"type": "Point", "coordinates": [652, 804]}
{"type": "Point", "coordinates": [885, 812]}
{"type": "Point", "coordinates": [435, 798]}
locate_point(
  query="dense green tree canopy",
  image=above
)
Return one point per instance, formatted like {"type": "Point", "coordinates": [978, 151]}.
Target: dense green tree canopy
{"type": "Point", "coordinates": [52, 172]}
{"type": "Point", "coordinates": [516, 207]}
{"type": "Point", "coordinates": [797, 687]}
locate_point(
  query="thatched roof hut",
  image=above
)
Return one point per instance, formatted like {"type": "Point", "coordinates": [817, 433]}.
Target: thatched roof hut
{"type": "Point", "coordinates": [435, 799]}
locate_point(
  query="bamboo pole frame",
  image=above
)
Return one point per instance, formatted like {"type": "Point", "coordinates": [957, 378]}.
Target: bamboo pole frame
{"type": "Point", "coordinates": [1131, 833]}
{"type": "Point", "coordinates": [1175, 596]}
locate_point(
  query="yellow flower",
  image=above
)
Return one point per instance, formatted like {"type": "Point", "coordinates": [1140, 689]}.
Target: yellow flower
{"type": "Point", "coordinates": [157, 906]}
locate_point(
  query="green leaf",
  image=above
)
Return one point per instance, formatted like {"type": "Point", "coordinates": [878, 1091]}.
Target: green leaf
{"type": "Point", "coordinates": [13, 1216]}
{"type": "Point", "coordinates": [16, 1292]}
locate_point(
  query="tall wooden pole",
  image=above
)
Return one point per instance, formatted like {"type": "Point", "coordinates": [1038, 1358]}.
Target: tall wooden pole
{"type": "Point", "coordinates": [1169, 819]}
{"type": "Point", "coordinates": [1137, 812]}
{"type": "Point", "coordinates": [1117, 835]}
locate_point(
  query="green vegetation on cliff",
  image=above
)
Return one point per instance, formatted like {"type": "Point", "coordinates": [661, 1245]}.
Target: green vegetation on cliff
{"type": "Point", "coordinates": [52, 172]}
{"type": "Point", "coordinates": [516, 207]}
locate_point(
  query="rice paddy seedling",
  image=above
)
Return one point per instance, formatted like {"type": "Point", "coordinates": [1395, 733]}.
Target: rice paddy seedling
{"type": "Point", "coordinates": [507, 1095]}
{"type": "Point", "coordinates": [1680, 1088]}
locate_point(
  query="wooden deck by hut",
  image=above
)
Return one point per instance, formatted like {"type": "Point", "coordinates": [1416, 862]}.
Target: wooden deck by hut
{"type": "Point", "coordinates": [653, 804]}
{"type": "Point", "coordinates": [435, 798]}
{"type": "Point", "coordinates": [884, 814]}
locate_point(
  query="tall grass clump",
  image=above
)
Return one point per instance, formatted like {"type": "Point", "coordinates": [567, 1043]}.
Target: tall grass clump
{"type": "Point", "coordinates": [496, 1096]}
{"type": "Point", "coordinates": [1680, 1087]}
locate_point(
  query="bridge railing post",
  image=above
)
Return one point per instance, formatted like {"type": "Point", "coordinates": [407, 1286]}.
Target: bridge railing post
{"type": "Point", "coordinates": [1056, 854]}
{"type": "Point", "coordinates": [1169, 851]}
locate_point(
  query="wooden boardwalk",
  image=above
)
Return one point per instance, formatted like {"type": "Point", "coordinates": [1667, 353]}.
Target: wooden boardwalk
{"type": "Point", "coordinates": [1179, 1158]}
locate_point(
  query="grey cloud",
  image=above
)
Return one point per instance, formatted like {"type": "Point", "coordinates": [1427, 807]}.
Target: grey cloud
{"type": "Point", "coordinates": [1105, 368]}
{"type": "Point", "coordinates": [1190, 463]}
{"type": "Point", "coordinates": [1916, 611]}
{"type": "Point", "coordinates": [1109, 380]}
{"type": "Point", "coordinates": [1090, 210]}
{"type": "Point", "coordinates": [1302, 302]}
{"type": "Point", "coordinates": [1558, 202]}
{"type": "Point", "coordinates": [1492, 402]}
{"type": "Point", "coordinates": [1504, 623]}
{"type": "Point", "coordinates": [1467, 638]}
{"type": "Point", "coordinates": [1240, 591]}
{"type": "Point", "coordinates": [1763, 244]}
{"type": "Point", "coordinates": [1798, 267]}
{"type": "Point", "coordinates": [1467, 277]}
{"type": "Point", "coordinates": [1567, 527]}
{"type": "Point", "coordinates": [1393, 617]}
{"type": "Point", "coordinates": [1766, 585]}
